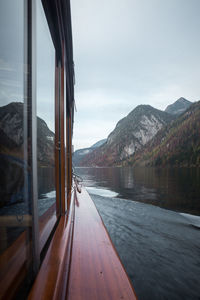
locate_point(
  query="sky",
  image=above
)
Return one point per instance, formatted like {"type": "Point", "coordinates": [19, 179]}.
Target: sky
{"type": "Point", "coordinates": [128, 53]}
{"type": "Point", "coordinates": [12, 62]}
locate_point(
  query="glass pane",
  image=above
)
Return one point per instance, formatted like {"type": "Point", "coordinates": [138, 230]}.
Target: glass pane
{"type": "Point", "coordinates": [45, 116]}
{"type": "Point", "coordinates": [14, 206]}
{"type": "Point", "coordinates": [15, 215]}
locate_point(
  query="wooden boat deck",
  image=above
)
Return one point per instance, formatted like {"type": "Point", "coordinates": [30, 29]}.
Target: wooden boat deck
{"type": "Point", "coordinates": [92, 269]}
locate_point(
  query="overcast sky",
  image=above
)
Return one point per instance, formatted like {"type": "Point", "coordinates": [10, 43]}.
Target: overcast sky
{"type": "Point", "coordinates": [128, 53]}
{"type": "Point", "coordinates": [12, 59]}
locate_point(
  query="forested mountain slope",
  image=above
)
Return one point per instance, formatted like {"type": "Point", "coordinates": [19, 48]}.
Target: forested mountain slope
{"type": "Point", "coordinates": [176, 144]}
{"type": "Point", "coordinates": [129, 135]}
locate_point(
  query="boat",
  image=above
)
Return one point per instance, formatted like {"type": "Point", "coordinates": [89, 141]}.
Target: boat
{"type": "Point", "coordinates": [54, 244]}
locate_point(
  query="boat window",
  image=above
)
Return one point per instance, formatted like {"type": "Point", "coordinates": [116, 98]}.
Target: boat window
{"type": "Point", "coordinates": [15, 214]}
{"type": "Point", "coordinates": [30, 186]}
{"type": "Point", "coordinates": [45, 87]}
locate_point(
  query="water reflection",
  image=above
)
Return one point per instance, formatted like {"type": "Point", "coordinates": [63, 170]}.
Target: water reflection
{"type": "Point", "coordinates": [176, 189]}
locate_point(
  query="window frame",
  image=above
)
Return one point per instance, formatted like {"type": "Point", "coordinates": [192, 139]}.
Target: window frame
{"type": "Point", "coordinates": [16, 267]}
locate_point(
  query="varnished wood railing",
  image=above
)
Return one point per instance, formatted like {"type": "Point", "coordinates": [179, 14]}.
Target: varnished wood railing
{"type": "Point", "coordinates": [81, 262]}
{"type": "Point", "coordinates": [51, 282]}
{"type": "Point", "coordinates": [96, 271]}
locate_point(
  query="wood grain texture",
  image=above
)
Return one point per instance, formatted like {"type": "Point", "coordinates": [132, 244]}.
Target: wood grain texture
{"type": "Point", "coordinates": [69, 157]}
{"type": "Point", "coordinates": [81, 263]}
{"type": "Point", "coordinates": [51, 281]}
{"type": "Point", "coordinates": [96, 271]}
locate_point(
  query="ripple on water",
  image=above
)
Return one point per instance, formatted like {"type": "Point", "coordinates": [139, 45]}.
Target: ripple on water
{"type": "Point", "coordinates": [159, 248]}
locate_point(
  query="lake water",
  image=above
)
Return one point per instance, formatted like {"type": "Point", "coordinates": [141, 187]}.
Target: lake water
{"type": "Point", "coordinates": [175, 189]}
{"type": "Point", "coordinates": [159, 247]}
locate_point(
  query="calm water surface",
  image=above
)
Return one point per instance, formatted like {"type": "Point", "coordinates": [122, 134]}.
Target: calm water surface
{"type": "Point", "coordinates": [160, 248]}
{"type": "Point", "coordinates": [175, 189]}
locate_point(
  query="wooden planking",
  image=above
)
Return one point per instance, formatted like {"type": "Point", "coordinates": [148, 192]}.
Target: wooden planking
{"type": "Point", "coordinates": [96, 271]}
{"type": "Point", "coordinates": [51, 281]}
{"type": "Point", "coordinates": [85, 266]}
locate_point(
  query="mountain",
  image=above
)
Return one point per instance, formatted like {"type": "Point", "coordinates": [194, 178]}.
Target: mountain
{"type": "Point", "coordinates": [12, 134]}
{"type": "Point", "coordinates": [79, 154]}
{"type": "Point", "coordinates": [12, 163]}
{"type": "Point", "coordinates": [178, 107]}
{"type": "Point", "coordinates": [129, 135]}
{"type": "Point", "coordinates": [11, 125]}
{"type": "Point", "coordinates": [99, 143]}
{"type": "Point", "coordinates": [45, 144]}
{"type": "Point", "coordinates": [177, 144]}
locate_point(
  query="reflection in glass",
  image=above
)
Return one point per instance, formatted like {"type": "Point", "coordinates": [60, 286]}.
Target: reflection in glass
{"type": "Point", "coordinates": [65, 137]}
{"type": "Point", "coordinates": [14, 207]}
{"type": "Point", "coordinates": [45, 114]}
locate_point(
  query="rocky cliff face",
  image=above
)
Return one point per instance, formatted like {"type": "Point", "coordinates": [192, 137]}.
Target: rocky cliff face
{"type": "Point", "coordinates": [45, 144]}
{"type": "Point", "coordinates": [129, 135]}
{"type": "Point", "coordinates": [177, 144]}
{"type": "Point", "coordinates": [11, 124]}
{"type": "Point", "coordinates": [178, 107]}
{"type": "Point", "coordinates": [13, 166]}
{"type": "Point", "coordinates": [12, 134]}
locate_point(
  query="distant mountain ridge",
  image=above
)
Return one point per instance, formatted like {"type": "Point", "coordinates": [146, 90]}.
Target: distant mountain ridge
{"type": "Point", "coordinates": [98, 144]}
{"type": "Point", "coordinates": [12, 137]}
{"type": "Point", "coordinates": [178, 107]}
{"type": "Point", "coordinates": [11, 124]}
{"type": "Point", "coordinates": [129, 135]}
{"type": "Point", "coordinates": [80, 153]}
{"type": "Point", "coordinates": [177, 144]}
{"type": "Point", "coordinates": [12, 158]}
{"type": "Point", "coordinates": [132, 133]}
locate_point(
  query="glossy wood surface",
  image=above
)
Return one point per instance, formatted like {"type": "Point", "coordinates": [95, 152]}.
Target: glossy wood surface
{"type": "Point", "coordinates": [69, 156]}
{"type": "Point", "coordinates": [96, 271]}
{"type": "Point", "coordinates": [51, 281]}
{"type": "Point", "coordinates": [81, 263]}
